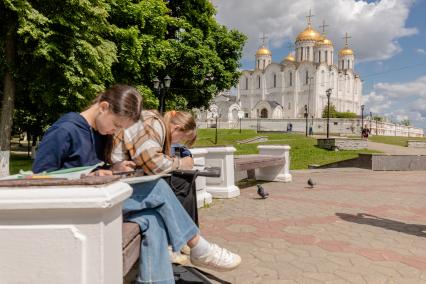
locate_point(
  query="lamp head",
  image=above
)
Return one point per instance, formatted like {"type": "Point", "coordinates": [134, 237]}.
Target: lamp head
{"type": "Point", "coordinates": [156, 83]}
{"type": "Point", "coordinates": [167, 81]}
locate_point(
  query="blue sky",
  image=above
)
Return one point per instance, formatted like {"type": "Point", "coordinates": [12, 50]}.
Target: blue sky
{"type": "Point", "coordinates": [388, 37]}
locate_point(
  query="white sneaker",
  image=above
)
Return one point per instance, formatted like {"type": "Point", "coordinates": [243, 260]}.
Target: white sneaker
{"type": "Point", "coordinates": [186, 250]}
{"type": "Point", "coordinates": [219, 259]}
{"type": "Point", "coordinates": [178, 258]}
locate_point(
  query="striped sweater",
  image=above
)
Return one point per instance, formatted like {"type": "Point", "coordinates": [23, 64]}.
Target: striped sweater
{"type": "Point", "coordinates": [143, 144]}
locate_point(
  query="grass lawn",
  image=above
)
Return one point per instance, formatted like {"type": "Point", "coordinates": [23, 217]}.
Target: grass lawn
{"type": "Point", "coordinates": [18, 162]}
{"type": "Point", "coordinates": [303, 150]}
{"type": "Point", "coordinates": [394, 140]}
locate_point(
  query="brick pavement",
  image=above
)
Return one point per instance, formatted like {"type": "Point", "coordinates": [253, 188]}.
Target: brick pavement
{"type": "Point", "coordinates": [356, 226]}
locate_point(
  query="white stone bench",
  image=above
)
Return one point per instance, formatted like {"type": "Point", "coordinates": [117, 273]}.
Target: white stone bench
{"type": "Point", "coordinates": [416, 144]}
{"type": "Point", "coordinates": [62, 233]}
{"type": "Point", "coordinates": [271, 164]}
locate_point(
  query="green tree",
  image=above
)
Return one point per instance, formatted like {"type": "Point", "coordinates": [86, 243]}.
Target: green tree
{"type": "Point", "coordinates": [181, 39]}
{"type": "Point", "coordinates": [406, 122]}
{"type": "Point", "coordinates": [55, 59]}
{"type": "Point", "coordinates": [333, 112]}
{"type": "Point", "coordinates": [346, 114]}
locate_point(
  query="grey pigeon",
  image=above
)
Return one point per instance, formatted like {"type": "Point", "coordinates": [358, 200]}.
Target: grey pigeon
{"type": "Point", "coordinates": [262, 192]}
{"type": "Point", "coordinates": [311, 183]}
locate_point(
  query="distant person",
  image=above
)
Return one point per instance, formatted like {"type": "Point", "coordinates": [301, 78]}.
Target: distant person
{"type": "Point", "coordinates": [365, 132]}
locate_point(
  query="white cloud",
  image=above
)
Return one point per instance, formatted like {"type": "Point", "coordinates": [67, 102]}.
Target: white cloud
{"type": "Point", "coordinates": [420, 50]}
{"type": "Point", "coordinates": [400, 100]}
{"type": "Point", "coordinates": [375, 27]}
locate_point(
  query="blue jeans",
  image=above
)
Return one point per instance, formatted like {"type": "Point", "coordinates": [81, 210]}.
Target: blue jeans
{"type": "Point", "coordinates": [163, 221]}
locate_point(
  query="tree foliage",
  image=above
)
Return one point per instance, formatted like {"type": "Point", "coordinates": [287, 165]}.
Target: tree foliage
{"type": "Point", "coordinates": [333, 111]}
{"type": "Point", "coordinates": [67, 51]}
{"type": "Point", "coordinates": [406, 122]}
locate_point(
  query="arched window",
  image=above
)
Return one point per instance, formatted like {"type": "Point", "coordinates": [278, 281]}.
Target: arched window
{"type": "Point", "coordinates": [301, 54]}
{"type": "Point", "coordinates": [308, 53]}
{"type": "Point", "coordinates": [326, 56]}
{"type": "Point", "coordinates": [291, 79]}
{"type": "Point", "coordinates": [322, 77]}
{"type": "Point", "coordinates": [246, 83]}
{"type": "Point", "coordinates": [275, 80]}
{"type": "Point", "coordinates": [258, 82]}
{"type": "Point", "coordinates": [348, 64]}
{"type": "Point", "coordinates": [289, 105]}
{"type": "Point", "coordinates": [264, 113]}
{"type": "Point", "coordinates": [258, 64]}
{"type": "Point", "coordinates": [332, 80]}
{"type": "Point", "coordinates": [319, 56]}
{"type": "Point", "coordinates": [306, 77]}
{"type": "Point", "coordinates": [263, 64]}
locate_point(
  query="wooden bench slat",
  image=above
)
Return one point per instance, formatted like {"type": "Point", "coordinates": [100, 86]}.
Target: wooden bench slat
{"type": "Point", "coordinates": [249, 162]}
{"type": "Point", "coordinates": [129, 231]}
{"type": "Point", "coordinates": [131, 254]}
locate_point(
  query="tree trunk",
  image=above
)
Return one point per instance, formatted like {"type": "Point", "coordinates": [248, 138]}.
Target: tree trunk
{"type": "Point", "coordinates": [6, 118]}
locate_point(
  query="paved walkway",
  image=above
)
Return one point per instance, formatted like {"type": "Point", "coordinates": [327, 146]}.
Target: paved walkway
{"type": "Point", "coordinates": [395, 150]}
{"type": "Point", "coordinates": [356, 226]}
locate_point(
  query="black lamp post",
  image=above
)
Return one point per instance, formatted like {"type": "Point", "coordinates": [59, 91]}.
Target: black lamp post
{"type": "Point", "coordinates": [215, 136]}
{"type": "Point", "coordinates": [161, 89]}
{"type": "Point", "coordinates": [240, 116]}
{"type": "Point", "coordinates": [371, 117]}
{"type": "Point", "coordinates": [306, 118]}
{"type": "Point", "coordinates": [328, 93]}
{"type": "Point", "coordinates": [362, 118]}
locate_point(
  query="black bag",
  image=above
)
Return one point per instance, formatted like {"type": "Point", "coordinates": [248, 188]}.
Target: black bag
{"type": "Point", "coordinates": [191, 275]}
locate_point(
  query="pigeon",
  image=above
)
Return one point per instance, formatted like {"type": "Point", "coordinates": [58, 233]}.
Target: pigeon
{"type": "Point", "coordinates": [262, 192]}
{"type": "Point", "coordinates": [311, 183]}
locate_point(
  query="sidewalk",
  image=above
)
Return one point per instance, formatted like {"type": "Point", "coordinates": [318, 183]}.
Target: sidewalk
{"type": "Point", "coordinates": [356, 226]}
{"type": "Point", "coordinates": [395, 150]}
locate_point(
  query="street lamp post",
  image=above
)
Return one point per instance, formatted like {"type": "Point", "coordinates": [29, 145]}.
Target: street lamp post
{"type": "Point", "coordinates": [328, 93]}
{"type": "Point", "coordinates": [371, 117]}
{"type": "Point", "coordinates": [362, 118]}
{"type": "Point", "coordinates": [240, 116]}
{"type": "Point", "coordinates": [306, 119]}
{"type": "Point", "coordinates": [161, 89]}
{"type": "Point", "coordinates": [216, 115]}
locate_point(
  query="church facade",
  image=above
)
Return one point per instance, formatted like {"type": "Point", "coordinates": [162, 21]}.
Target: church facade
{"type": "Point", "coordinates": [297, 85]}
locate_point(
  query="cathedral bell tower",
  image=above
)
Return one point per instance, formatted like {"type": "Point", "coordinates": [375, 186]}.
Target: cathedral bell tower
{"type": "Point", "coordinates": [263, 56]}
{"type": "Point", "coordinates": [306, 42]}
{"type": "Point", "coordinates": [324, 49]}
{"type": "Point", "coordinates": [346, 56]}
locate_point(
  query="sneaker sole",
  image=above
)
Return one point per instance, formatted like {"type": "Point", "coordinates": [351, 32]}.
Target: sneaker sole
{"type": "Point", "coordinates": [216, 268]}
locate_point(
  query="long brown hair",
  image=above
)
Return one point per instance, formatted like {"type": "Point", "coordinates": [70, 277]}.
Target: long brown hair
{"type": "Point", "coordinates": [186, 122]}
{"type": "Point", "coordinates": [124, 101]}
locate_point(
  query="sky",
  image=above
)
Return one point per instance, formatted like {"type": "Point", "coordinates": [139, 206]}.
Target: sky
{"type": "Point", "coordinates": [387, 36]}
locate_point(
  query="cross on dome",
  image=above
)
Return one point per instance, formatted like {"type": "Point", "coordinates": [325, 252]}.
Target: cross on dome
{"type": "Point", "coordinates": [346, 37]}
{"type": "Point", "coordinates": [309, 17]}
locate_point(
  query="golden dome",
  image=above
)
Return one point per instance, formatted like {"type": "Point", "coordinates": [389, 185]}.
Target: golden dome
{"type": "Point", "coordinates": [309, 34]}
{"type": "Point", "coordinates": [325, 41]}
{"type": "Point", "coordinates": [346, 51]}
{"type": "Point", "coordinates": [290, 58]}
{"type": "Point", "coordinates": [263, 51]}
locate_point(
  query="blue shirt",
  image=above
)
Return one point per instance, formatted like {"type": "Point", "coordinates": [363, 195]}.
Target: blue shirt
{"type": "Point", "coordinates": [69, 142]}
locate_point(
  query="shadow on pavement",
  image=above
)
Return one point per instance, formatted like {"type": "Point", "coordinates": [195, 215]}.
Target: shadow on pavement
{"type": "Point", "coordinates": [367, 219]}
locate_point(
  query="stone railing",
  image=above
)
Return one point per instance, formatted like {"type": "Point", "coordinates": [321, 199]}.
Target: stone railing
{"type": "Point", "coordinates": [416, 144]}
{"type": "Point", "coordinates": [62, 234]}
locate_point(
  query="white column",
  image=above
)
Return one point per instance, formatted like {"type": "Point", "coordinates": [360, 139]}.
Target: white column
{"type": "Point", "coordinates": [275, 173]}
{"type": "Point", "coordinates": [67, 234]}
{"type": "Point", "coordinates": [223, 186]}
{"type": "Point", "coordinates": [203, 197]}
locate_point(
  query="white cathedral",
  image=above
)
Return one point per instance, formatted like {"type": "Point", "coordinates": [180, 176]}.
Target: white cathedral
{"type": "Point", "coordinates": [298, 84]}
